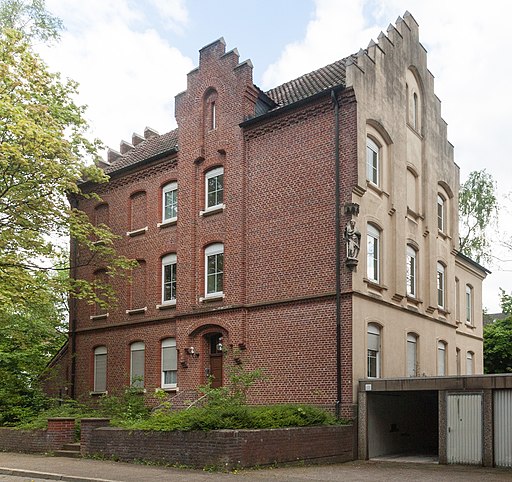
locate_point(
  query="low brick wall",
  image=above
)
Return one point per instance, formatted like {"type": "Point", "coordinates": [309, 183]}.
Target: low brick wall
{"type": "Point", "coordinates": [60, 431]}
{"type": "Point", "coordinates": [225, 448]}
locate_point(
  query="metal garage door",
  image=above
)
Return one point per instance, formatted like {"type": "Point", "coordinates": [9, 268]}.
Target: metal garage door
{"type": "Point", "coordinates": [464, 431]}
{"type": "Point", "coordinates": [503, 428]}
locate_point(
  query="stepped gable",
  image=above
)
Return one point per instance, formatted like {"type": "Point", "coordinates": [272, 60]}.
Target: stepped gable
{"type": "Point", "coordinates": [145, 150]}
{"type": "Point", "coordinates": [331, 75]}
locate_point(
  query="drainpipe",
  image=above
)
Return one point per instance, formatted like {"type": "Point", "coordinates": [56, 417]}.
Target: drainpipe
{"type": "Point", "coordinates": [338, 249]}
{"type": "Point", "coordinates": [73, 305]}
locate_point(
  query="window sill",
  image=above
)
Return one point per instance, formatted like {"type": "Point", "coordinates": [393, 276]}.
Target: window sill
{"type": "Point", "coordinates": [212, 297]}
{"type": "Point", "coordinates": [136, 232]}
{"type": "Point", "coordinates": [168, 389]}
{"type": "Point", "coordinates": [103, 316]}
{"type": "Point", "coordinates": [443, 311]}
{"type": "Point", "coordinates": [443, 235]}
{"type": "Point", "coordinates": [212, 210]}
{"type": "Point", "coordinates": [166, 305]}
{"type": "Point", "coordinates": [375, 188]}
{"type": "Point", "coordinates": [137, 311]}
{"type": "Point", "coordinates": [413, 214]}
{"type": "Point", "coordinates": [375, 284]}
{"type": "Point", "coordinates": [167, 222]}
{"type": "Point", "coordinates": [98, 394]}
{"type": "Point", "coordinates": [100, 242]}
{"type": "Point", "coordinates": [469, 325]}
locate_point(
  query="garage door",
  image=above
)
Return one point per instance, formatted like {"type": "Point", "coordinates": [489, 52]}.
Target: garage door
{"type": "Point", "coordinates": [503, 428]}
{"type": "Point", "coordinates": [464, 431]}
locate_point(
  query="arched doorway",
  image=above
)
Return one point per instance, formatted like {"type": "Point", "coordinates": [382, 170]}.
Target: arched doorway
{"type": "Point", "coordinates": [214, 361]}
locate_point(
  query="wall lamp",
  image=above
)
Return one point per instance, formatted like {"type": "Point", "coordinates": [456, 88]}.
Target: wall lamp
{"type": "Point", "coordinates": [191, 351]}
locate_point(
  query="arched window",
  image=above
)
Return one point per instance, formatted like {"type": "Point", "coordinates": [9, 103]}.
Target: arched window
{"type": "Point", "coordinates": [137, 351]}
{"type": "Point", "coordinates": [412, 192]}
{"type": "Point", "coordinates": [441, 213]}
{"type": "Point", "coordinates": [101, 214]}
{"type": "Point", "coordinates": [412, 355]}
{"type": "Point", "coordinates": [210, 111]}
{"type": "Point", "coordinates": [441, 286]}
{"type": "Point", "coordinates": [214, 188]}
{"type": "Point", "coordinates": [169, 279]}
{"type": "Point", "coordinates": [372, 161]}
{"type": "Point", "coordinates": [413, 99]}
{"type": "Point", "coordinates": [411, 271]}
{"type": "Point", "coordinates": [214, 270]}
{"type": "Point", "coordinates": [469, 305]}
{"type": "Point", "coordinates": [100, 369]}
{"type": "Point", "coordinates": [373, 239]}
{"type": "Point", "coordinates": [169, 363]}
{"type": "Point", "coordinates": [138, 286]}
{"type": "Point", "coordinates": [441, 358]}
{"type": "Point", "coordinates": [170, 202]}
{"type": "Point", "coordinates": [469, 363]}
{"type": "Point", "coordinates": [374, 351]}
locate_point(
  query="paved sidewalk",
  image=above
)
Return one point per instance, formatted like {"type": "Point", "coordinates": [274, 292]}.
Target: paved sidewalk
{"type": "Point", "coordinates": [36, 467]}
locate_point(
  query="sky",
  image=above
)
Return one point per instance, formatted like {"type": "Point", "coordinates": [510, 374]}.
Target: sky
{"type": "Point", "coordinates": [131, 58]}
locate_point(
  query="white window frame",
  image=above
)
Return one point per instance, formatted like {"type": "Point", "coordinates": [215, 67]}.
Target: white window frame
{"type": "Point", "coordinates": [441, 213]}
{"type": "Point", "coordinates": [469, 305]}
{"type": "Point", "coordinates": [137, 379]}
{"type": "Point", "coordinates": [171, 190]}
{"type": "Point", "coordinates": [215, 249]}
{"type": "Point", "coordinates": [373, 240]}
{"type": "Point", "coordinates": [470, 366]}
{"type": "Point", "coordinates": [213, 173]}
{"type": "Point", "coordinates": [169, 260]}
{"type": "Point", "coordinates": [373, 151]}
{"type": "Point", "coordinates": [411, 271]}
{"type": "Point", "coordinates": [100, 363]}
{"type": "Point", "coordinates": [412, 355]}
{"type": "Point", "coordinates": [373, 353]}
{"type": "Point", "coordinates": [441, 358]}
{"type": "Point", "coordinates": [441, 286]}
{"type": "Point", "coordinates": [168, 346]}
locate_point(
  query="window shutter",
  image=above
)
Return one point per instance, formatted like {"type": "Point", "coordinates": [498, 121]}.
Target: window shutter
{"type": "Point", "coordinates": [100, 373]}
{"type": "Point", "coordinates": [373, 342]}
{"type": "Point", "coordinates": [169, 358]}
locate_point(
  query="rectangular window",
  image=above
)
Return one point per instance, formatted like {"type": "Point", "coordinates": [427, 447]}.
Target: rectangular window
{"type": "Point", "coordinates": [100, 369]}
{"type": "Point", "coordinates": [373, 353]}
{"type": "Point", "coordinates": [372, 162]}
{"type": "Point", "coordinates": [169, 278]}
{"type": "Point", "coordinates": [469, 305]}
{"type": "Point", "coordinates": [214, 187]}
{"type": "Point", "coordinates": [373, 248]}
{"type": "Point", "coordinates": [441, 358]}
{"type": "Point", "coordinates": [440, 286]}
{"type": "Point", "coordinates": [169, 363]}
{"type": "Point", "coordinates": [137, 364]}
{"type": "Point", "coordinates": [214, 266]}
{"type": "Point", "coordinates": [412, 357]}
{"type": "Point", "coordinates": [411, 271]}
{"type": "Point", "coordinates": [469, 363]}
{"type": "Point", "coordinates": [170, 202]}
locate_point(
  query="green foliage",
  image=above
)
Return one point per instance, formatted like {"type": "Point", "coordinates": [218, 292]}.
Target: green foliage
{"type": "Point", "coordinates": [31, 18]}
{"type": "Point", "coordinates": [498, 346]}
{"type": "Point", "coordinates": [125, 407]}
{"type": "Point", "coordinates": [478, 210]}
{"type": "Point", "coordinates": [237, 417]}
{"type": "Point", "coordinates": [506, 302]}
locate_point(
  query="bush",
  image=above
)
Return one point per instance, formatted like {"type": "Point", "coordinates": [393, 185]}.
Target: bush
{"type": "Point", "coordinates": [235, 417]}
{"type": "Point", "coordinates": [127, 406]}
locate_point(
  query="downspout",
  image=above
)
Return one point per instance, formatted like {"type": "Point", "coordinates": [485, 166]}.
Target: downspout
{"type": "Point", "coordinates": [338, 249]}
{"type": "Point", "coordinates": [73, 305]}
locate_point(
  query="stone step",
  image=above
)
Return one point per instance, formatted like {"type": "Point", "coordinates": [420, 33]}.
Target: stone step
{"type": "Point", "coordinates": [67, 453]}
{"type": "Point", "coordinates": [74, 447]}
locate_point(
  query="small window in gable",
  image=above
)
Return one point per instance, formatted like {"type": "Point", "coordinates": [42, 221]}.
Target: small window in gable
{"type": "Point", "coordinates": [210, 111]}
{"type": "Point", "coordinates": [414, 102]}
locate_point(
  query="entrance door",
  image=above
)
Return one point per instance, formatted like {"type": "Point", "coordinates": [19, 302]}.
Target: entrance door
{"type": "Point", "coordinates": [215, 355]}
{"type": "Point", "coordinates": [464, 438]}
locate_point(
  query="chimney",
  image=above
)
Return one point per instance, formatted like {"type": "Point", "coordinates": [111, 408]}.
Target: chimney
{"type": "Point", "coordinates": [125, 147]}
{"type": "Point", "coordinates": [150, 133]}
{"type": "Point", "coordinates": [137, 139]}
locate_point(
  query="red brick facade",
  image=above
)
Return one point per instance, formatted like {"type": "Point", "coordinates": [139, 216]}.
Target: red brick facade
{"type": "Point", "coordinates": [277, 226]}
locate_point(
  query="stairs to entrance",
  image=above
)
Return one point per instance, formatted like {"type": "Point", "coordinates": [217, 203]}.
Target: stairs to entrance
{"type": "Point", "coordinates": [69, 450]}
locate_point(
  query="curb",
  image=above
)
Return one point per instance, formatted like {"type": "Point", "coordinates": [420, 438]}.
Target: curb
{"type": "Point", "coordinates": [49, 475]}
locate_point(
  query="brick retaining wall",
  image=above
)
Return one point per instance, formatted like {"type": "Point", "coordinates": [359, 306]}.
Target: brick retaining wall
{"type": "Point", "coordinates": [225, 448]}
{"type": "Point", "coordinates": [60, 431]}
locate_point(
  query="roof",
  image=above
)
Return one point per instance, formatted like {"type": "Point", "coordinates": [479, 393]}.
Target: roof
{"type": "Point", "coordinates": [296, 90]}
{"type": "Point", "coordinates": [153, 147]}
{"type": "Point", "coordinates": [331, 75]}
{"type": "Point", "coordinates": [473, 263]}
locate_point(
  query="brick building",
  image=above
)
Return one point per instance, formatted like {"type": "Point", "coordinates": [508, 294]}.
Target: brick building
{"type": "Point", "coordinates": [310, 231]}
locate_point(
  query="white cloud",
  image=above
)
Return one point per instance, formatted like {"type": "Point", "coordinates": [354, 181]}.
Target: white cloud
{"type": "Point", "coordinates": [128, 77]}
{"type": "Point", "coordinates": [173, 11]}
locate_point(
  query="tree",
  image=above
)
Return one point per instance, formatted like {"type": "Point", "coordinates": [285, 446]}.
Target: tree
{"type": "Point", "coordinates": [31, 18]}
{"type": "Point", "coordinates": [478, 210]}
{"type": "Point", "coordinates": [43, 158]}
